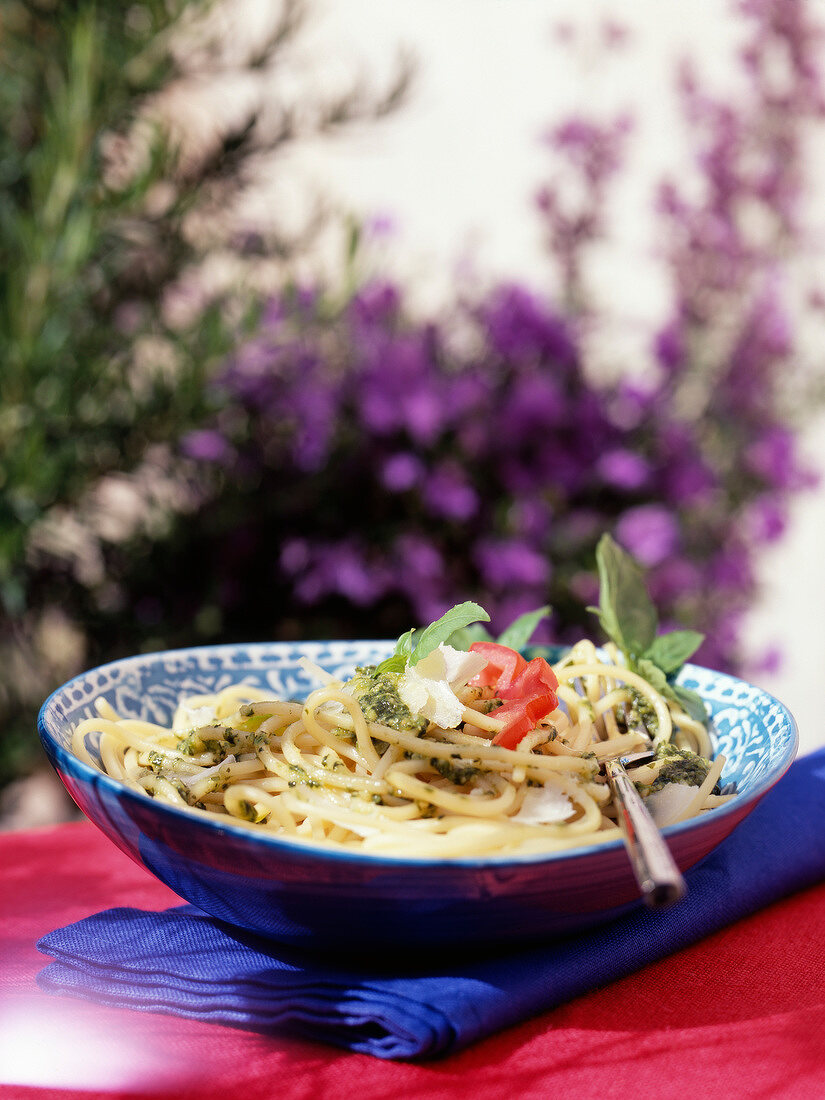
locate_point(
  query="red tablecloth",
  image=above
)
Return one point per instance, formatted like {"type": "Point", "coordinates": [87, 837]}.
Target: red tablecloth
{"type": "Point", "coordinates": [741, 1014]}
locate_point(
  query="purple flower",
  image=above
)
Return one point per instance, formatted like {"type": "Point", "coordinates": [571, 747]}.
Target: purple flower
{"type": "Point", "coordinates": [673, 581]}
{"type": "Point", "coordinates": [401, 392]}
{"type": "Point", "coordinates": [343, 569]}
{"type": "Point", "coordinates": [449, 495]}
{"type": "Point", "coordinates": [731, 569]}
{"type": "Point", "coordinates": [768, 663]}
{"type": "Point", "coordinates": [418, 557]}
{"type": "Point", "coordinates": [511, 563]}
{"type": "Point", "coordinates": [687, 480]}
{"type": "Point", "coordinates": [624, 469]}
{"type": "Point", "coordinates": [530, 518]}
{"type": "Point", "coordinates": [767, 518]}
{"type": "Point", "coordinates": [379, 227]}
{"type": "Point", "coordinates": [773, 458]}
{"type": "Point", "coordinates": [207, 445]}
{"type": "Point", "coordinates": [354, 577]}
{"type": "Point", "coordinates": [400, 472]}
{"type": "Point", "coordinates": [376, 302]}
{"type": "Point", "coordinates": [518, 323]}
{"type": "Point", "coordinates": [295, 555]}
{"type": "Point", "coordinates": [649, 533]}
{"type": "Point", "coordinates": [669, 347]}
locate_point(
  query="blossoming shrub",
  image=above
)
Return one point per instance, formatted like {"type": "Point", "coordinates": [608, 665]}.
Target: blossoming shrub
{"type": "Point", "coordinates": [378, 470]}
{"type": "Point", "coordinates": [365, 470]}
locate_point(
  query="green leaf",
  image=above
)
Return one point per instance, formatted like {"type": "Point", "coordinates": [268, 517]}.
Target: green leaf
{"type": "Point", "coordinates": [457, 618]}
{"type": "Point", "coordinates": [652, 673]}
{"type": "Point", "coordinates": [626, 612]}
{"type": "Point", "coordinates": [670, 651]}
{"type": "Point", "coordinates": [416, 644]}
{"type": "Point", "coordinates": [689, 701]}
{"type": "Point", "coordinates": [398, 661]}
{"type": "Point", "coordinates": [521, 630]}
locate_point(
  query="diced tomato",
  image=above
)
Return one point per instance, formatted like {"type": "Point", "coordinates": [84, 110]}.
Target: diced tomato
{"type": "Point", "coordinates": [522, 716]}
{"type": "Point", "coordinates": [528, 690]}
{"type": "Point", "coordinates": [503, 665]}
{"type": "Point", "coordinates": [535, 678]}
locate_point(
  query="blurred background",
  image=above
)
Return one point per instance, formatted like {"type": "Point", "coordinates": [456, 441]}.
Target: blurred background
{"type": "Point", "coordinates": [319, 317]}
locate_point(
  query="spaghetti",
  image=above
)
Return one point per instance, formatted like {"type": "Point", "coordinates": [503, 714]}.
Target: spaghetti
{"type": "Point", "coordinates": [329, 771]}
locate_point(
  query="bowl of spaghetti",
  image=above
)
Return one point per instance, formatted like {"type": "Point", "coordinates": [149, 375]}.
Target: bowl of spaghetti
{"type": "Point", "coordinates": [287, 789]}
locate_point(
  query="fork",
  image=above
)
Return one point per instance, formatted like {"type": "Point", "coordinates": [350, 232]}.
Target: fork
{"type": "Point", "coordinates": [659, 879]}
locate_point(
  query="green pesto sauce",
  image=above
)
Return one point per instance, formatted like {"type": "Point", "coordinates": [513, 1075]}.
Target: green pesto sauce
{"type": "Point", "coordinates": [681, 766]}
{"type": "Point", "coordinates": [221, 744]}
{"type": "Point", "coordinates": [247, 811]}
{"type": "Point", "coordinates": [641, 713]}
{"type": "Point", "coordinates": [377, 695]}
{"type": "Point", "coordinates": [299, 776]}
{"type": "Point", "coordinates": [156, 761]}
{"type": "Point", "coordinates": [458, 771]}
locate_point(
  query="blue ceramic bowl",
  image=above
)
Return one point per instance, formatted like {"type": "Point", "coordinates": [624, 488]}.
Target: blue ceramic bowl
{"type": "Point", "coordinates": [311, 896]}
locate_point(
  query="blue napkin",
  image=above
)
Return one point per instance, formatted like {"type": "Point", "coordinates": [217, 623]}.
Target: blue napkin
{"type": "Point", "coordinates": [185, 963]}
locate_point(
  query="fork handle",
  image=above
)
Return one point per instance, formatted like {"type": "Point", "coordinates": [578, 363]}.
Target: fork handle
{"type": "Point", "coordinates": [659, 879]}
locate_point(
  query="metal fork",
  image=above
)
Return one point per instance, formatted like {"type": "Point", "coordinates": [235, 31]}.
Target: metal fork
{"type": "Point", "coordinates": [660, 880]}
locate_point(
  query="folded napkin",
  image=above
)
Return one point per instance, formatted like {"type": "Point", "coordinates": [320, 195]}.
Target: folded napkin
{"type": "Point", "coordinates": [185, 963]}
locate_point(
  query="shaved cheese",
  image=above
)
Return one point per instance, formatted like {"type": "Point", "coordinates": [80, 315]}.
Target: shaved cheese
{"type": "Point", "coordinates": [427, 687]}
{"type": "Point", "coordinates": [434, 700]}
{"type": "Point", "coordinates": [543, 806]}
{"type": "Point", "coordinates": [191, 780]}
{"type": "Point", "coordinates": [666, 805]}
{"type": "Point", "coordinates": [453, 665]}
{"type": "Point", "coordinates": [193, 718]}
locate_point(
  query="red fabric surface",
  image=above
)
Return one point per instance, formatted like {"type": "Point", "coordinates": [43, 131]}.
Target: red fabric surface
{"type": "Point", "coordinates": [741, 1014]}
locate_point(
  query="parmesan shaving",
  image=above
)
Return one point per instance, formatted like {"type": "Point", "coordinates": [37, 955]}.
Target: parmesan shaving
{"type": "Point", "coordinates": [543, 806]}
{"type": "Point", "coordinates": [427, 688]}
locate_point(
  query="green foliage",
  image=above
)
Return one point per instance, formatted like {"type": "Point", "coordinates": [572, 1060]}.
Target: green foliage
{"type": "Point", "coordinates": [414, 646]}
{"type": "Point", "coordinates": [71, 406]}
{"type": "Point", "coordinates": [97, 205]}
{"type": "Point", "coordinates": [626, 611]}
{"type": "Point", "coordinates": [629, 618]}
{"type": "Point", "coordinates": [522, 629]}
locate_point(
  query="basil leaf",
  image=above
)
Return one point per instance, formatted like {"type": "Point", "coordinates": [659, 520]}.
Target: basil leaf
{"type": "Point", "coordinates": [464, 638]}
{"type": "Point", "coordinates": [670, 651]}
{"type": "Point", "coordinates": [653, 674]}
{"type": "Point", "coordinates": [521, 630]}
{"type": "Point", "coordinates": [689, 701]}
{"type": "Point", "coordinates": [396, 663]}
{"type": "Point", "coordinates": [626, 611]}
{"type": "Point", "coordinates": [416, 644]}
{"type": "Point", "coordinates": [456, 618]}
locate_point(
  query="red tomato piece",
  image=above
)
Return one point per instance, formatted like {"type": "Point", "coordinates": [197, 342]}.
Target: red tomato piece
{"type": "Point", "coordinates": [522, 716]}
{"type": "Point", "coordinates": [503, 665]}
{"type": "Point", "coordinates": [537, 677]}
{"type": "Point", "coordinates": [528, 689]}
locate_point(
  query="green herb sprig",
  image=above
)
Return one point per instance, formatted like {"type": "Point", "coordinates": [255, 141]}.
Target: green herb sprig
{"type": "Point", "coordinates": [516, 635]}
{"type": "Point", "coordinates": [629, 618]}
{"type": "Point", "coordinates": [460, 627]}
{"type": "Point", "coordinates": [413, 646]}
